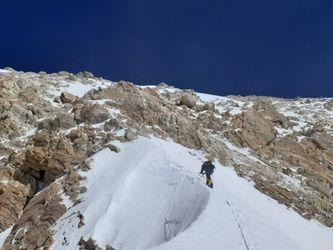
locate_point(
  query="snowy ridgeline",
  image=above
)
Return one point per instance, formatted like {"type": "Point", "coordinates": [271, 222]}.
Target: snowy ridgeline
{"type": "Point", "coordinates": [150, 196]}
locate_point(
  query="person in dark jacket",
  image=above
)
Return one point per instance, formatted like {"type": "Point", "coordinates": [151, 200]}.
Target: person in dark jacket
{"type": "Point", "coordinates": [207, 168]}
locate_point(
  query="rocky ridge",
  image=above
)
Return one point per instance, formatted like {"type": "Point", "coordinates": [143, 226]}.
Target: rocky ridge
{"type": "Point", "coordinates": [51, 123]}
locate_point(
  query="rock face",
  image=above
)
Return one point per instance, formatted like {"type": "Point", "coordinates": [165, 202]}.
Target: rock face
{"type": "Point", "coordinates": [38, 217]}
{"type": "Point", "coordinates": [50, 157]}
{"type": "Point", "coordinates": [91, 113]}
{"type": "Point", "coordinates": [267, 110]}
{"type": "Point", "coordinates": [46, 135]}
{"type": "Point", "coordinates": [13, 196]}
{"type": "Point", "coordinates": [61, 121]}
{"type": "Point", "coordinates": [251, 129]}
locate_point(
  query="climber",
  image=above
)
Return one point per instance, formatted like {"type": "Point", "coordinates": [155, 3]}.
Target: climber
{"type": "Point", "coordinates": [207, 168]}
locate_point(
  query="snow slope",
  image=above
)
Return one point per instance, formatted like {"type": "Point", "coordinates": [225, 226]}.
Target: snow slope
{"type": "Point", "coordinates": [4, 235]}
{"type": "Point", "coordinates": [150, 196]}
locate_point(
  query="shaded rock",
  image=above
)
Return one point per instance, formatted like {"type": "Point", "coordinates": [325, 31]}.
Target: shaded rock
{"type": "Point", "coordinates": [267, 110]}
{"type": "Point", "coordinates": [90, 244]}
{"type": "Point", "coordinates": [42, 211]}
{"type": "Point", "coordinates": [189, 100]}
{"type": "Point", "coordinates": [61, 121]}
{"type": "Point", "coordinates": [13, 197]}
{"type": "Point", "coordinates": [130, 135]}
{"type": "Point", "coordinates": [113, 123]}
{"type": "Point", "coordinates": [48, 162]}
{"type": "Point", "coordinates": [210, 106]}
{"type": "Point", "coordinates": [114, 148]}
{"type": "Point", "coordinates": [87, 74]}
{"type": "Point", "coordinates": [91, 113]}
{"type": "Point", "coordinates": [57, 99]}
{"type": "Point", "coordinates": [251, 129]}
{"type": "Point", "coordinates": [68, 98]}
{"type": "Point", "coordinates": [81, 220]}
{"type": "Point", "coordinates": [71, 185]}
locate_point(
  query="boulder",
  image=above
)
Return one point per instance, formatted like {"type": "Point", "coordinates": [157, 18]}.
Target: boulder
{"type": "Point", "coordinates": [68, 98]}
{"type": "Point", "coordinates": [268, 111]}
{"type": "Point", "coordinates": [61, 121]}
{"type": "Point", "coordinates": [113, 123]}
{"type": "Point", "coordinates": [87, 74]}
{"type": "Point", "coordinates": [251, 129]}
{"type": "Point", "coordinates": [113, 148]}
{"type": "Point", "coordinates": [210, 106]}
{"type": "Point", "coordinates": [91, 113]}
{"type": "Point", "coordinates": [130, 135]}
{"type": "Point", "coordinates": [50, 157]}
{"type": "Point", "coordinates": [189, 100]}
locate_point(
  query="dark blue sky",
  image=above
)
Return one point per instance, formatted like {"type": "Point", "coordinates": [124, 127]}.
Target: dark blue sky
{"type": "Point", "coordinates": [264, 47]}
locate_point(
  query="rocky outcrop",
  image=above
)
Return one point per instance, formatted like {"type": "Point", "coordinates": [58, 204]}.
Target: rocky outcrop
{"type": "Point", "coordinates": [68, 98]}
{"type": "Point", "coordinates": [50, 157]}
{"type": "Point", "coordinates": [91, 113]}
{"type": "Point", "coordinates": [39, 215]}
{"type": "Point", "coordinates": [251, 129]}
{"type": "Point", "coordinates": [13, 197]}
{"type": "Point", "coordinates": [267, 110]}
{"type": "Point", "coordinates": [189, 100]}
{"type": "Point", "coordinates": [61, 121]}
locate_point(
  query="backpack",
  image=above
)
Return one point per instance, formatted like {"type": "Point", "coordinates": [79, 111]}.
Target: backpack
{"type": "Point", "coordinates": [209, 167]}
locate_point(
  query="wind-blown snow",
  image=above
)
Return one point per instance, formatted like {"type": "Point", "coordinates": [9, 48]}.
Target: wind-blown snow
{"type": "Point", "coordinates": [77, 88]}
{"type": "Point", "coordinates": [150, 196]}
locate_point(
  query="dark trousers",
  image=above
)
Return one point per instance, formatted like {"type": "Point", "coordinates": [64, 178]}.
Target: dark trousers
{"type": "Point", "coordinates": [208, 179]}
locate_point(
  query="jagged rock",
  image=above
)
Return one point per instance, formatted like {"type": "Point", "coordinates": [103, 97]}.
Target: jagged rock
{"type": "Point", "coordinates": [79, 75]}
{"type": "Point", "coordinates": [323, 141]}
{"type": "Point", "coordinates": [113, 123]}
{"type": "Point", "coordinates": [210, 106]}
{"type": "Point", "coordinates": [82, 190]}
{"type": "Point", "coordinates": [28, 94]}
{"type": "Point", "coordinates": [71, 185]}
{"type": "Point", "coordinates": [162, 85]}
{"type": "Point", "coordinates": [251, 129]}
{"type": "Point", "coordinates": [88, 74]}
{"type": "Point", "coordinates": [90, 244]}
{"type": "Point", "coordinates": [61, 121]}
{"type": "Point", "coordinates": [130, 135]}
{"type": "Point", "coordinates": [9, 86]}
{"type": "Point", "coordinates": [57, 99]}
{"type": "Point", "coordinates": [50, 157]}
{"type": "Point", "coordinates": [189, 100]}
{"type": "Point", "coordinates": [267, 110]}
{"type": "Point", "coordinates": [39, 215]}
{"type": "Point", "coordinates": [13, 197]}
{"type": "Point", "coordinates": [68, 98]}
{"type": "Point", "coordinates": [71, 77]}
{"type": "Point", "coordinates": [114, 148]}
{"type": "Point", "coordinates": [329, 105]}
{"type": "Point", "coordinates": [81, 220]}
{"type": "Point", "coordinates": [91, 113]}
{"type": "Point", "coordinates": [41, 139]}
